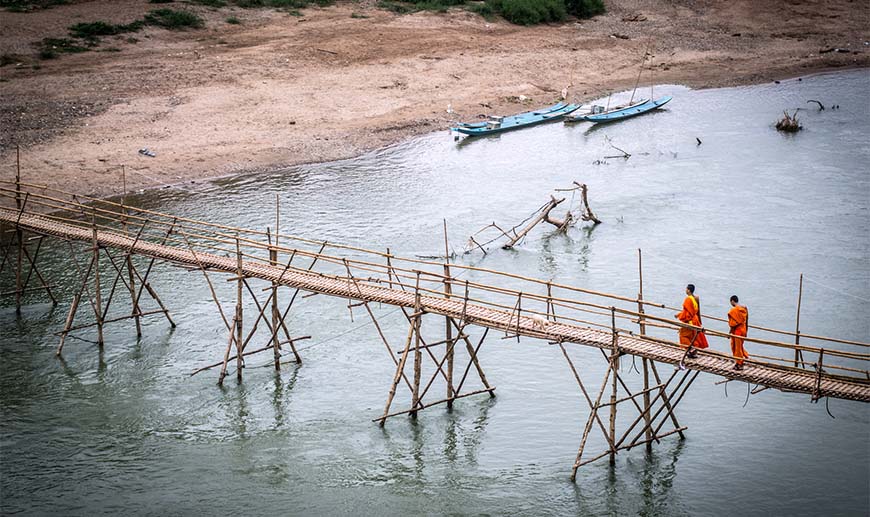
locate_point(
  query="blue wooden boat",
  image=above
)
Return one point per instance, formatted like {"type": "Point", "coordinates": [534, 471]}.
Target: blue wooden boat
{"type": "Point", "coordinates": [496, 124]}
{"type": "Point", "coordinates": [599, 115]}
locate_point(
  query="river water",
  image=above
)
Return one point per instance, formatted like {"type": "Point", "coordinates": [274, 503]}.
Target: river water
{"type": "Point", "coordinates": [745, 212]}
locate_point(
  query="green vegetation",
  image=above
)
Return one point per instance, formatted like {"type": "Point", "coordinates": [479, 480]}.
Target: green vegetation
{"type": "Point", "coordinates": [23, 6]}
{"type": "Point", "coordinates": [278, 4]}
{"type": "Point", "coordinates": [232, 20]}
{"type": "Point", "coordinates": [482, 8]}
{"type": "Point", "coordinates": [8, 59]}
{"type": "Point", "coordinates": [50, 48]}
{"type": "Point", "coordinates": [530, 12]}
{"type": "Point", "coordinates": [173, 20]}
{"type": "Point", "coordinates": [522, 12]}
{"type": "Point", "coordinates": [86, 35]}
{"type": "Point", "coordinates": [160, 1]}
{"type": "Point", "coordinates": [585, 8]}
{"type": "Point", "coordinates": [397, 7]}
{"type": "Point", "coordinates": [91, 31]}
{"type": "Point", "coordinates": [210, 3]}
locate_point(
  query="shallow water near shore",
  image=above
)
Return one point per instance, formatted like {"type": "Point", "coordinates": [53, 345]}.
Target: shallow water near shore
{"type": "Point", "coordinates": [746, 212]}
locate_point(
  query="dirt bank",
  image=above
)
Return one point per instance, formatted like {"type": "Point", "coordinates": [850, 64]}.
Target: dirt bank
{"type": "Point", "coordinates": [277, 89]}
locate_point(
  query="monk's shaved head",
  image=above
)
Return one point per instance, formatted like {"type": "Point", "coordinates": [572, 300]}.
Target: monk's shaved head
{"type": "Point", "coordinates": [691, 288]}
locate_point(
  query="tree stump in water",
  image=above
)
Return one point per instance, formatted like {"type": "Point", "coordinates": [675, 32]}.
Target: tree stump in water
{"type": "Point", "coordinates": [789, 123]}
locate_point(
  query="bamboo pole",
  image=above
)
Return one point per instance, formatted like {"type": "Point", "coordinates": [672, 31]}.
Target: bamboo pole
{"type": "Point", "coordinates": [239, 309]}
{"type": "Point", "coordinates": [614, 366]}
{"type": "Point", "coordinates": [665, 398]}
{"type": "Point", "coordinates": [642, 325]}
{"type": "Point", "coordinates": [97, 289]}
{"type": "Point", "coordinates": [76, 299]}
{"type": "Point", "coordinates": [400, 369]}
{"type": "Point", "coordinates": [131, 285]}
{"type": "Point", "coordinates": [589, 427]}
{"type": "Point", "coordinates": [593, 410]}
{"type": "Point", "coordinates": [418, 357]}
{"type": "Point", "coordinates": [448, 327]}
{"type": "Point", "coordinates": [18, 233]}
{"type": "Point", "coordinates": [273, 258]}
{"type": "Point", "coordinates": [230, 341]}
{"type": "Point", "coordinates": [798, 355]}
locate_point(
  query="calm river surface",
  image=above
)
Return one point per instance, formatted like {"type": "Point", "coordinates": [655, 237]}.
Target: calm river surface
{"type": "Point", "coordinates": [746, 212]}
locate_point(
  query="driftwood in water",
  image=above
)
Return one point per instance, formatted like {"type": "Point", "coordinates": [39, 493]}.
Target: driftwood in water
{"type": "Point", "coordinates": [624, 154]}
{"type": "Point", "coordinates": [821, 106]}
{"type": "Point", "coordinates": [789, 123]}
{"type": "Point", "coordinates": [545, 213]}
{"type": "Point", "coordinates": [515, 234]}
{"type": "Point", "coordinates": [583, 213]}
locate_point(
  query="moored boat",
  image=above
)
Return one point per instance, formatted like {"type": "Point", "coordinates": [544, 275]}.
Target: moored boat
{"type": "Point", "coordinates": [598, 114]}
{"type": "Point", "coordinates": [497, 124]}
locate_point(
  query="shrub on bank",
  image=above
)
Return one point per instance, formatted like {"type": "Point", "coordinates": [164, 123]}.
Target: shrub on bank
{"type": "Point", "coordinates": [584, 8]}
{"type": "Point", "coordinates": [530, 12]}
{"type": "Point", "coordinates": [521, 12]}
{"type": "Point", "coordinates": [173, 20]}
{"type": "Point", "coordinates": [24, 6]}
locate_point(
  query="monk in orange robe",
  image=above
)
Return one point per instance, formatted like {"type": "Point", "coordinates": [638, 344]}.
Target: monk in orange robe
{"type": "Point", "coordinates": [738, 321]}
{"type": "Point", "coordinates": [691, 314]}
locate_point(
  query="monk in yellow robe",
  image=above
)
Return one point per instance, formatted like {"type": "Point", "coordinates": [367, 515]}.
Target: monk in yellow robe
{"type": "Point", "coordinates": [691, 314]}
{"type": "Point", "coordinates": [738, 321]}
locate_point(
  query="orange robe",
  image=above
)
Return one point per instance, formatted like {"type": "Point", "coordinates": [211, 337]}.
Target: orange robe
{"type": "Point", "coordinates": [738, 317]}
{"type": "Point", "coordinates": [691, 314]}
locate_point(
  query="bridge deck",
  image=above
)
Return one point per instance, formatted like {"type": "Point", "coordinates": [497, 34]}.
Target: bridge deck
{"type": "Point", "coordinates": [768, 375]}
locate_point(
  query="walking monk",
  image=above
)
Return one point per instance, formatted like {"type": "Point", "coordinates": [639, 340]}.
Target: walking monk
{"type": "Point", "coordinates": [738, 319]}
{"type": "Point", "coordinates": [691, 314]}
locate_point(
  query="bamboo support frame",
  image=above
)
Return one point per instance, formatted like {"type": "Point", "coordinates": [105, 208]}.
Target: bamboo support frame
{"type": "Point", "coordinates": [430, 282]}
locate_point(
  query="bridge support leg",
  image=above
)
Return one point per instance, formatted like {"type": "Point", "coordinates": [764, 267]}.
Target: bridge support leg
{"type": "Point", "coordinates": [238, 340]}
{"type": "Point", "coordinates": [22, 280]}
{"type": "Point", "coordinates": [125, 271]}
{"type": "Point", "coordinates": [416, 344]}
{"type": "Point", "coordinates": [651, 417]}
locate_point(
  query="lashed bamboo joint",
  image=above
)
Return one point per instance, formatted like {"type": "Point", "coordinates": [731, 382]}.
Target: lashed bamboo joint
{"type": "Point", "coordinates": [422, 289]}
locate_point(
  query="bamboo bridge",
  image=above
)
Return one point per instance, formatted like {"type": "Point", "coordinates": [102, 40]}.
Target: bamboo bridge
{"type": "Point", "coordinates": [460, 296]}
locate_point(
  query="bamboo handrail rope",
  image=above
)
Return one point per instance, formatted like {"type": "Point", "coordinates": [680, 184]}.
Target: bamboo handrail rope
{"type": "Point", "coordinates": [332, 259]}
{"type": "Point", "coordinates": [709, 331]}
{"type": "Point", "coordinates": [381, 254]}
{"type": "Point", "coordinates": [784, 332]}
{"type": "Point", "coordinates": [499, 290]}
{"type": "Point", "coordinates": [672, 323]}
{"type": "Point", "coordinates": [561, 302]}
{"type": "Point", "coordinates": [792, 346]}
{"type": "Point", "coordinates": [507, 291]}
{"type": "Point", "coordinates": [749, 360]}
{"type": "Point", "coordinates": [472, 268]}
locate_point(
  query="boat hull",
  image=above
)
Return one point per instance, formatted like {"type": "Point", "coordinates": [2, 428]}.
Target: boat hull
{"type": "Point", "coordinates": [532, 118]}
{"type": "Point", "coordinates": [628, 112]}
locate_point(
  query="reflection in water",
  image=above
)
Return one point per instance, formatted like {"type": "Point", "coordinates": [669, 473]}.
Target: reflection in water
{"type": "Point", "coordinates": [555, 246]}
{"type": "Point", "coordinates": [657, 478]}
{"type": "Point", "coordinates": [278, 395]}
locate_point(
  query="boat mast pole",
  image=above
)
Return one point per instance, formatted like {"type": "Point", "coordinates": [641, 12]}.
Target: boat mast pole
{"type": "Point", "coordinates": [637, 82]}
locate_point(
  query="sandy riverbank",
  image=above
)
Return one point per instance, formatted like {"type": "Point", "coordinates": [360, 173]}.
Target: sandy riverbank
{"type": "Point", "coordinates": [278, 90]}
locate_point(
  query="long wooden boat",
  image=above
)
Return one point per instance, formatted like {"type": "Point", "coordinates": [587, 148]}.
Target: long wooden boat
{"type": "Point", "coordinates": [496, 124]}
{"type": "Point", "coordinates": [622, 112]}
